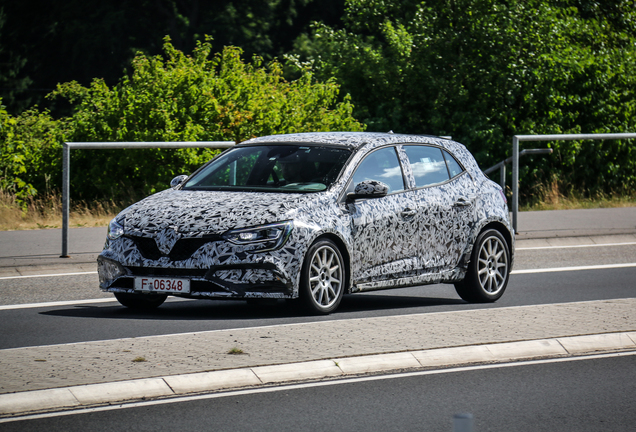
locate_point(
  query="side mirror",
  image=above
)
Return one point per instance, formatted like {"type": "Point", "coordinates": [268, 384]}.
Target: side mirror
{"type": "Point", "coordinates": [177, 181]}
{"type": "Point", "coordinates": [369, 189]}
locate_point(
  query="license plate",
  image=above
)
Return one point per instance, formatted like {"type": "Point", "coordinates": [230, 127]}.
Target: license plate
{"type": "Point", "coordinates": [159, 284]}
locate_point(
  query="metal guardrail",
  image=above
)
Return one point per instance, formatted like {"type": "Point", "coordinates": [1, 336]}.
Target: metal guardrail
{"type": "Point", "coordinates": [66, 168]}
{"type": "Point", "coordinates": [502, 165]}
{"type": "Point", "coordinates": [565, 137]}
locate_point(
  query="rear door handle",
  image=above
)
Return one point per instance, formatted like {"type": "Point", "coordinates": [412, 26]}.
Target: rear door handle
{"type": "Point", "coordinates": [408, 213]}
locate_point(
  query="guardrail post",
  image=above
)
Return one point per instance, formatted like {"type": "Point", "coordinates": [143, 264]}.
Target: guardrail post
{"type": "Point", "coordinates": [515, 181]}
{"type": "Point", "coordinates": [66, 166]}
{"type": "Point", "coordinates": [564, 137]}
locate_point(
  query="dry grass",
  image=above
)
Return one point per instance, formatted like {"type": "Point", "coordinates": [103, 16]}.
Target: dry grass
{"type": "Point", "coordinates": [46, 212]}
{"type": "Point", "coordinates": [552, 198]}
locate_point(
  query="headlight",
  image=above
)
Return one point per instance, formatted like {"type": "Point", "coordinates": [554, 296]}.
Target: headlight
{"type": "Point", "coordinates": [115, 230]}
{"type": "Point", "coordinates": [268, 237]}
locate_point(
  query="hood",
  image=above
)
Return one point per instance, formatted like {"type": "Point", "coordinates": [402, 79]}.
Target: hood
{"type": "Point", "coordinates": [198, 213]}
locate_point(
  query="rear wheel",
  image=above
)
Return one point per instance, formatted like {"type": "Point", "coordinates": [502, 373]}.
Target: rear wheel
{"type": "Point", "coordinates": [322, 281]}
{"type": "Point", "coordinates": [140, 301]}
{"type": "Point", "coordinates": [488, 271]}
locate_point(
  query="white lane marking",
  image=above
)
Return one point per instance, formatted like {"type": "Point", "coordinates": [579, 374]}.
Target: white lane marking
{"type": "Point", "coordinates": [514, 272]}
{"type": "Point", "coordinates": [247, 392]}
{"type": "Point", "coordinates": [47, 275]}
{"type": "Point", "coordinates": [57, 303]}
{"type": "Point", "coordinates": [516, 249]}
{"type": "Point", "coordinates": [76, 302]}
{"type": "Point", "coordinates": [575, 246]}
{"type": "Point", "coordinates": [564, 269]}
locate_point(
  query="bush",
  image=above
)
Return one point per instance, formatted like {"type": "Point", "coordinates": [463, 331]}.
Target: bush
{"type": "Point", "coordinates": [175, 97]}
{"type": "Point", "coordinates": [30, 150]}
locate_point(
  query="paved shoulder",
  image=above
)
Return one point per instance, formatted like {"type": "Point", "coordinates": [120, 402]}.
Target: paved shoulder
{"type": "Point", "coordinates": [89, 373]}
{"type": "Point", "coordinates": [35, 368]}
{"type": "Point", "coordinates": [576, 223]}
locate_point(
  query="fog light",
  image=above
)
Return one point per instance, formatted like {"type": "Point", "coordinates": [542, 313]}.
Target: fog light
{"type": "Point", "coordinates": [108, 271]}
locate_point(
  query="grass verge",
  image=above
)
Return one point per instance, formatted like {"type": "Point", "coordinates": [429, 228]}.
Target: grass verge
{"type": "Point", "coordinates": [551, 197]}
{"type": "Point", "coordinates": [46, 212]}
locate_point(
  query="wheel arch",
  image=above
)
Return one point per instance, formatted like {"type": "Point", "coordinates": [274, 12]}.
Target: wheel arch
{"type": "Point", "coordinates": [503, 230]}
{"type": "Point", "coordinates": [344, 251]}
{"type": "Point", "coordinates": [498, 226]}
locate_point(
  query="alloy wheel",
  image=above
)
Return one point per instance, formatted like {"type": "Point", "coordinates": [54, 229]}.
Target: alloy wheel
{"type": "Point", "coordinates": [325, 277]}
{"type": "Point", "coordinates": [493, 265]}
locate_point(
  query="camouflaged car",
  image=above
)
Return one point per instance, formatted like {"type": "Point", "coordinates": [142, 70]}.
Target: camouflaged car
{"type": "Point", "coordinates": [315, 216]}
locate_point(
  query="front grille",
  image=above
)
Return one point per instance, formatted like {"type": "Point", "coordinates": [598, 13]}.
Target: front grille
{"type": "Point", "coordinates": [182, 250]}
{"type": "Point", "coordinates": [147, 247]}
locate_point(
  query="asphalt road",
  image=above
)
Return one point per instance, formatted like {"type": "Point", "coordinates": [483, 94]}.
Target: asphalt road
{"type": "Point", "coordinates": [592, 394]}
{"type": "Point", "coordinates": [47, 325]}
{"type": "Point", "coordinates": [574, 395]}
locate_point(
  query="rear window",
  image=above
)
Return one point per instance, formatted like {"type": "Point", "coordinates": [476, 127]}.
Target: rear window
{"type": "Point", "coordinates": [427, 164]}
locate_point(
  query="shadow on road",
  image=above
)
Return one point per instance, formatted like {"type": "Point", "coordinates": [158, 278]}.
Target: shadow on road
{"type": "Point", "coordinates": [241, 310]}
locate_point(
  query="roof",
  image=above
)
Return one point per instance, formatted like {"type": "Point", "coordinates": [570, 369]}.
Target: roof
{"type": "Point", "coordinates": [349, 139]}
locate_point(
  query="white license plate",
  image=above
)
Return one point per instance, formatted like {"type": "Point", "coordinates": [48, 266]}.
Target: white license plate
{"type": "Point", "coordinates": [159, 284]}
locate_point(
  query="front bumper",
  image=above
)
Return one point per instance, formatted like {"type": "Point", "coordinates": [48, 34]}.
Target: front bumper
{"type": "Point", "coordinates": [222, 281]}
{"type": "Point", "coordinates": [215, 268]}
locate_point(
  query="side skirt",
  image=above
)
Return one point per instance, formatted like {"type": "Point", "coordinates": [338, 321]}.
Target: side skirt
{"type": "Point", "coordinates": [425, 279]}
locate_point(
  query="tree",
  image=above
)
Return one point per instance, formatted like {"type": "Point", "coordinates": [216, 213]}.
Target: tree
{"type": "Point", "coordinates": [484, 70]}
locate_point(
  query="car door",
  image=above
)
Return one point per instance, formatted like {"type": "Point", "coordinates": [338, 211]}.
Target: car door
{"type": "Point", "coordinates": [445, 206]}
{"type": "Point", "coordinates": [383, 245]}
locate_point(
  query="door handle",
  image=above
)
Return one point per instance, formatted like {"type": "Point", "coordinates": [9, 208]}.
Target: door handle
{"type": "Point", "coordinates": [408, 213]}
{"type": "Point", "coordinates": [462, 202]}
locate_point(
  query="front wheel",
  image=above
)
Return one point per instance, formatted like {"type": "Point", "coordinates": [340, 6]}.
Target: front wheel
{"type": "Point", "coordinates": [488, 271]}
{"type": "Point", "coordinates": [140, 301]}
{"type": "Point", "coordinates": [322, 281]}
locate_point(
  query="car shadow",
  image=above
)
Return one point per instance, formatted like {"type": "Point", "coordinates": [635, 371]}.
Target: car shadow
{"type": "Point", "coordinates": [241, 310]}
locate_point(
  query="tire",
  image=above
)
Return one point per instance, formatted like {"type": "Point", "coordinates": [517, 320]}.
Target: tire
{"type": "Point", "coordinates": [140, 301]}
{"type": "Point", "coordinates": [323, 278]}
{"type": "Point", "coordinates": [488, 270]}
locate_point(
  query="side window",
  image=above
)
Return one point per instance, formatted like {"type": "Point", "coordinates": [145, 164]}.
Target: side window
{"type": "Point", "coordinates": [454, 168]}
{"type": "Point", "coordinates": [427, 164]}
{"type": "Point", "coordinates": [381, 165]}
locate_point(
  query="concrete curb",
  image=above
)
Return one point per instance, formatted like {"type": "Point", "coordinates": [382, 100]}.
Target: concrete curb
{"type": "Point", "coordinates": [13, 404]}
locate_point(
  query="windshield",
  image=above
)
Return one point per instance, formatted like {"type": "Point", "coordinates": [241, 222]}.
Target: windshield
{"type": "Point", "coordinates": [272, 168]}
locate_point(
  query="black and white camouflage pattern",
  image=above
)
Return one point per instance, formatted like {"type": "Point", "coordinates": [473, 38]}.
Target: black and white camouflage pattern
{"type": "Point", "coordinates": [370, 187]}
{"type": "Point", "coordinates": [413, 237]}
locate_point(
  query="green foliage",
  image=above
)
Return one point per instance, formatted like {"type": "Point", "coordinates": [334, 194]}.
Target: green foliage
{"type": "Point", "coordinates": [484, 70]}
{"type": "Point", "coordinates": [30, 150]}
{"type": "Point", "coordinates": [187, 98]}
